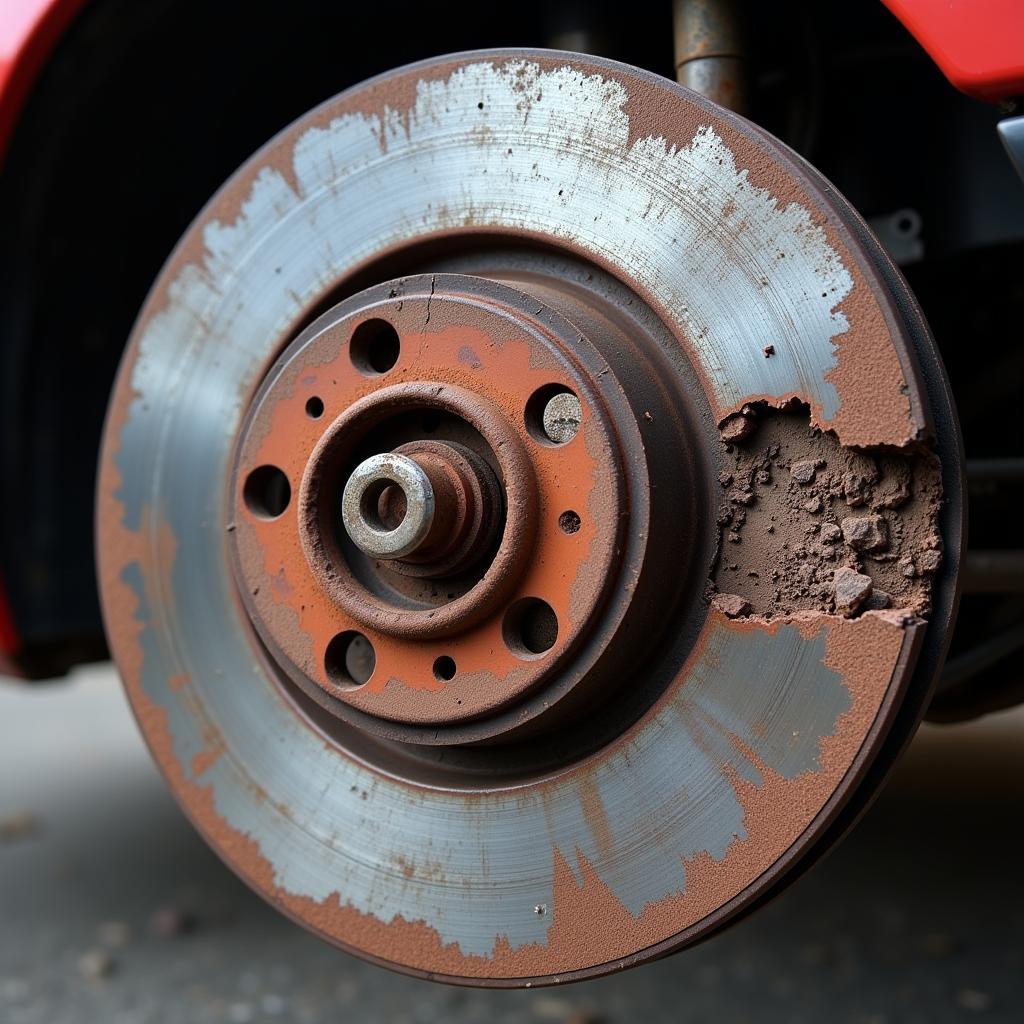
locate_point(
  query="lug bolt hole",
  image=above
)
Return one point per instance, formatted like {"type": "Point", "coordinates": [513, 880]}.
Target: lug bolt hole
{"type": "Point", "coordinates": [315, 408]}
{"type": "Point", "coordinates": [530, 628]}
{"type": "Point", "coordinates": [569, 522]}
{"type": "Point", "coordinates": [375, 347]}
{"type": "Point", "coordinates": [444, 668]}
{"type": "Point", "coordinates": [553, 415]}
{"type": "Point", "coordinates": [350, 659]}
{"type": "Point", "coordinates": [266, 492]}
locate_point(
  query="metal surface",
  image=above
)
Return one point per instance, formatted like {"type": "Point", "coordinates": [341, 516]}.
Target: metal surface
{"type": "Point", "coordinates": [562, 416]}
{"type": "Point", "coordinates": [1011, 134]}
{"type": "Point", "coordinates": [365, 489]}
{"type": "Point", "coordinates": [580, 795]}
{"type": "Point", "coordinates": [709, 50]}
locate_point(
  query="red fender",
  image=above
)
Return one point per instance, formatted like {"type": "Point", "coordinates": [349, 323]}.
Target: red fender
{"type": "Point", "coordinates": [978, 44]}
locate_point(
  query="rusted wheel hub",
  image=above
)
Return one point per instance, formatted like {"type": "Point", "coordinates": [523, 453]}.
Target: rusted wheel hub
{"type": "Point", "coordinates": [525, 529]}
{"type": "Point", "coordinates": [457, 453]}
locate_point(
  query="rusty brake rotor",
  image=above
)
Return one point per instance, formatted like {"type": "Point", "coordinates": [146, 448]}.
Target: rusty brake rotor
{"type": "Point", "coordinates": [526, 531]}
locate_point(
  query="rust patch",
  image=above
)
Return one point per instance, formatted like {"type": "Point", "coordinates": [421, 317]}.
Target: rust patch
{"type": "Point", "coordinates": [596, 815]}
{"type": "Point", "coordinates": [871, 355]}
{"type": "Point", "coordinates": [204, 761]}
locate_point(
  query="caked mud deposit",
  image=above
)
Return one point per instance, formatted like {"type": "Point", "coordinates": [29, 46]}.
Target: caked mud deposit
{"type": "Point", "coordinates": [807, 525]}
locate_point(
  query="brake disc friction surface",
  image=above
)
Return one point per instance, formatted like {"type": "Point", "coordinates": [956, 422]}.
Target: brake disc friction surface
{"type": "Point", "coordinates": [765, 722]}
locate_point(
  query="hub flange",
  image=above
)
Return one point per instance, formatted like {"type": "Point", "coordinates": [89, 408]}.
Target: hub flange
{"type": "Point", "coordinates": [460, 501]}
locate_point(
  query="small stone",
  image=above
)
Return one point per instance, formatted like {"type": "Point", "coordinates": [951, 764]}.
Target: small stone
{"type": "Point", "coordinates": [803, 472]}
{"type": "Point", "coordinates": [763, 476]}
{"type": "Point", "coordinates": [929, 561]}
{"type": "Point", "coordinates": [549, 1008]}
{"type": "Point", "coordinates": [95, 964]}
{"type": "Point", "coordinates": [860, 476]}
{"type": "Point", "coordinates": [830, 533]}
{"type": "Point", "coordinates": [734, 537]}
{"type": "Point", "coordinates": [813, 505]}
{"type": "Point", "coordinates": [168, 922]}
{"type": "Point", "coordinates": [725, 478]}
{"type": "Point", "coordinates": [907, 568]}
{"type": "Point", "coordinates": [851, 589]}
{"type": "Point", "coordinates": [866, 533]}
{"type": "Point", "coordinates": [731, 605]}
{"type": "Point", "coordinates": [769, 350]}
{"type": "Point", "coordinates": [738, 427]}
{"type": "Point", "coordinates": [878, 600]}
{"type": "Point", "coordinates": [741, 497]}
{"type": "Point", "coordinates": [724, 515]}
{"type": "Point", "coordinates": [894, 488]}
{"type": "Point", "coordinates": [585, 1017]}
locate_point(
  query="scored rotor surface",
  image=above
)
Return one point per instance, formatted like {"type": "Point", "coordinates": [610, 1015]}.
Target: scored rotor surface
{"type": "Point", "coordinates": [745, 738]}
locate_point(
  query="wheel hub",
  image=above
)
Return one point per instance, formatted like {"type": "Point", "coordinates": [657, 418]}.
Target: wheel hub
{"type": "Point", "coordinates": [459, 502]}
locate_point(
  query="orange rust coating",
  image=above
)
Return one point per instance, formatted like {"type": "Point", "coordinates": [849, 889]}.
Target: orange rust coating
{"type": "Point", "coordinates": [453, 503]}
{"type": "Point", "coordinates": [566, 570]}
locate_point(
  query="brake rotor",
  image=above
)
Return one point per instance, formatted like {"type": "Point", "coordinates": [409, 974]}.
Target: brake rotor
{"type": "Point", "coordinates": [526, 532]}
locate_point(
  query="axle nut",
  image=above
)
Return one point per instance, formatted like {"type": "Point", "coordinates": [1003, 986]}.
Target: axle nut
{"type": "Point", "coordinates": [361, 506]}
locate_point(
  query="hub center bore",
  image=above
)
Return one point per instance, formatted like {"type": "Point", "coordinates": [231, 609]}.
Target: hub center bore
{"type": "Point", "coordinates": [429, 507]}
{"type": "Point", "coordinates": [370, 505]}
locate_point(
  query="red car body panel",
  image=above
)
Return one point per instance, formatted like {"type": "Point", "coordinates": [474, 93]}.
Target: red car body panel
{"type": "Point", "coordinates": [29, 31]}
{"type": "Point", "coordinates": [978, 44]}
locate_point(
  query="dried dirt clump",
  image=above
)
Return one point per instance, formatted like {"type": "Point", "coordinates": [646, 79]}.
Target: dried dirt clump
{"type": "Point", "coordinates": [796, 508]}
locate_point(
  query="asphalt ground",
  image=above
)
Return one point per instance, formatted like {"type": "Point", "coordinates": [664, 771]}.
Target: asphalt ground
{"type": "Point", "coordinates": [113, 911]}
